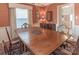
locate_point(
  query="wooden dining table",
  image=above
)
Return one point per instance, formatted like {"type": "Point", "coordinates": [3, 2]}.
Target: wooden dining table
{"type": "Point", "coordinates": [41, 41]}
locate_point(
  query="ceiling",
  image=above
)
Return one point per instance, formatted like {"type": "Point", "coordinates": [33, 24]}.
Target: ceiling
{"type": "Point", "coordinates": [40, 4]}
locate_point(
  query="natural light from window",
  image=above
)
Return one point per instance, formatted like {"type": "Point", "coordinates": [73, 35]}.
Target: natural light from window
{"type": "Point", "coordinates": [21, 17]}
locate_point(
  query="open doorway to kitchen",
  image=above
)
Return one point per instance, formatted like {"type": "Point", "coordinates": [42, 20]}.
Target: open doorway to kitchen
{"type": "Point", "coordinates": [66, 19]}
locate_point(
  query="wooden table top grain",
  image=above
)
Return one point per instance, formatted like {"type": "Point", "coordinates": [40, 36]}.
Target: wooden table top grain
{"type": "Point", "coordinates": [41, 41]}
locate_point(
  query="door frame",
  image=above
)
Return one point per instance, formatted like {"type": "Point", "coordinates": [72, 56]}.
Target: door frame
{"type": "Point", "coordinates": [58, 13]}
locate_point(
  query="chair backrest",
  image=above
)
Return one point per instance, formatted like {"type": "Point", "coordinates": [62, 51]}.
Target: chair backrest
{"type": "Point", "coordinates": [8, 36]}
{"type": "Point", "coordinates": [3, 34]}
{"type": "Point", "coordinates": [76, 50]}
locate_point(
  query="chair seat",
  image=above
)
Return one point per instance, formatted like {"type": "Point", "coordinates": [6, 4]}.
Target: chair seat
{"type": "Point", "coordinates": [73, 43]}
{"type": "Point", "coordinates": [15, 41]}
{"type": "Point", "coordinates": [70, 46]}
{"type": "Point", "coordinates": [65, 51]}
{"type": "Point", "coordinates": [61, 51]}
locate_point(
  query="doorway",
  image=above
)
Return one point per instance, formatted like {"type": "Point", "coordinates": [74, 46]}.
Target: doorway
{"type": "Point", "coordinates": [66, 19]}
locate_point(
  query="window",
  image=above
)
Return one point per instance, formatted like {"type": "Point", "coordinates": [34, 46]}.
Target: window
{"type": "Point", "coordinates": [21, 17]}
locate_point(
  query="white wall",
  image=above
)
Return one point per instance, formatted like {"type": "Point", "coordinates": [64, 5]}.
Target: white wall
{"type": "Point", "coordinates": [3, 34]}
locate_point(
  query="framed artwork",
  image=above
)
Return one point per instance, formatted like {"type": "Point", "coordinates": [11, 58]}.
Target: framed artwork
{"type": "Point", "coordinates": [49, 16]}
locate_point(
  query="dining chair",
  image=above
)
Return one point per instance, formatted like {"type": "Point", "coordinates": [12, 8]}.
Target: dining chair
{"type": "Point", "coordinates": [70, 43]}
{"type": "Point", "coordinates": [13, 43]}
{"type": "Point", "coordinates": [73, 51]}
{"type": "Point", "coordinates": [76, 50]}
{"type": "Point", "coordinates": [3, 48]}
{"type": "Point", "coordinates": [71, 40]}
{"type": "Point", "coordinates": [26, 50]}
{"type": "Point", "coordinates": [61, 51]}
{"type": "Point", "coordinates": [25, 25]}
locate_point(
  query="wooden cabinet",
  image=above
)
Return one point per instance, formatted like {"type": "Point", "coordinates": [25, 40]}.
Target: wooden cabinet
{"type": "Point", "coordinates": [48, 26]}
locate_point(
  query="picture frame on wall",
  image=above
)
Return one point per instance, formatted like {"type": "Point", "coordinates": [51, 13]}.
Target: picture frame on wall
{"type": "Point", "coordinates": [49, 15]}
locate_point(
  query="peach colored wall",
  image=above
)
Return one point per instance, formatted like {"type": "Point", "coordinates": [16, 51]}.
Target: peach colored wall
{"type": "Point", "coordinates": [35, 10]}
{"type": "Point", "coordinates": [53, 8]}
{"type": "Point", "coordinates": [33, 14]}
{"type": "Point", "coordinates": [4, 14]}
{"type": "Point", "coordinates": [77, 13]}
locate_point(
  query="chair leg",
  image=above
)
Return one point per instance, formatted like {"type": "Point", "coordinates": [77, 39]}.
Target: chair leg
{"type": "Point", "coordinates": [9, 52]}
{"type": "Point", "coordinates": [21, 47]}
{"type": "Point", "coordinates": [25, 48]}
